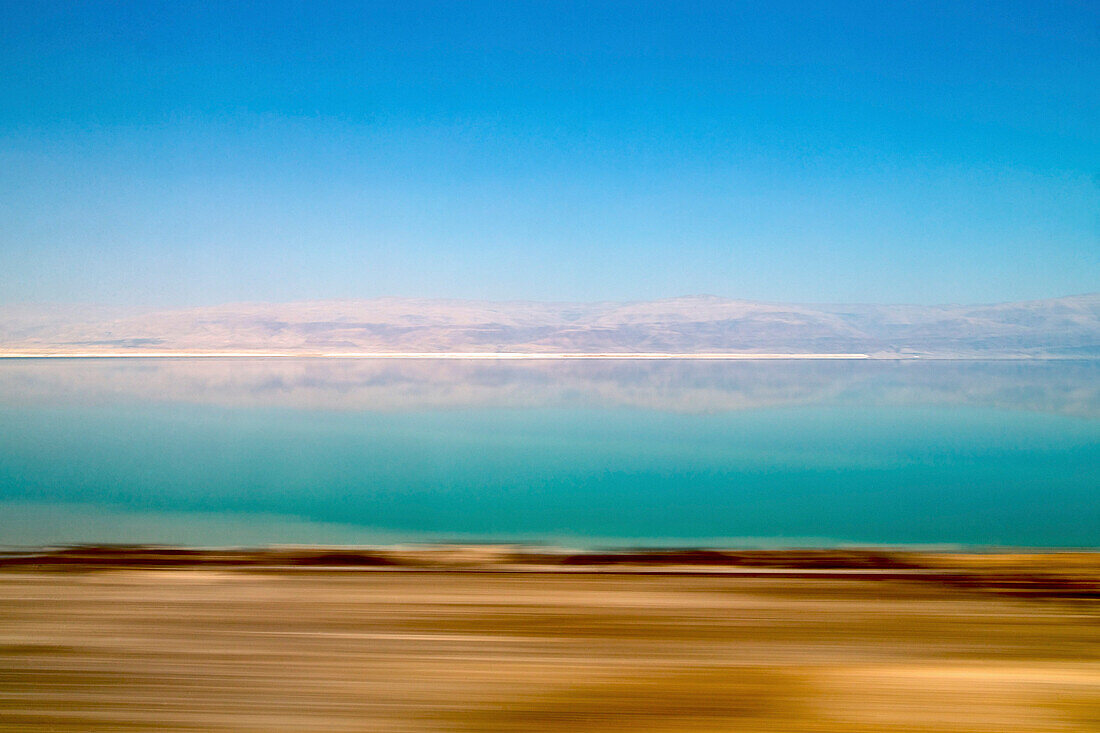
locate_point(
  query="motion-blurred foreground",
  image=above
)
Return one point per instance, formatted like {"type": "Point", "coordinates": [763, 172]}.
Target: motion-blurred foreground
{"type": "Point", "coordinates": [493, 639]}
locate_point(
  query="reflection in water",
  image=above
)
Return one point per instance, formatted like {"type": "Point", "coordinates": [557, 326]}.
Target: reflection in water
{"type": "Point", "coordinates": [246, 450]}
{"type": "Point", "coordinates": [1062, 387]}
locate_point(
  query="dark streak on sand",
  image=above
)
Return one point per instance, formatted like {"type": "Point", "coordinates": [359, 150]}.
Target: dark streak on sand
{"type": "Point", "coordinates": [1032, 574]}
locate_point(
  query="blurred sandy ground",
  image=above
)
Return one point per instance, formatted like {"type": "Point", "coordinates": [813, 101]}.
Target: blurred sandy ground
{"type": "Point", "coordinates": [412, 650]}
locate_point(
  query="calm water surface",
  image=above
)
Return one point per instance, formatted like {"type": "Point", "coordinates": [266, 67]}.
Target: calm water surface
{"type": "Point", "coordinates": [583, 453]}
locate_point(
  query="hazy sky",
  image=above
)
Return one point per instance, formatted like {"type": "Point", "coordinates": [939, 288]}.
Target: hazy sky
{"type": "Point", "coordinates": [185, 153]}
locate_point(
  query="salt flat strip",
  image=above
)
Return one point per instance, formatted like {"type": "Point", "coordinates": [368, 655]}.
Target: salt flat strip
{"type": "Point", "coordinates": [509, 356]}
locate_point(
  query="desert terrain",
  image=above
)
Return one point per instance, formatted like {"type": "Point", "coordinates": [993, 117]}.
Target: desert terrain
{"type": "Point", "coordinates": [494, 639]}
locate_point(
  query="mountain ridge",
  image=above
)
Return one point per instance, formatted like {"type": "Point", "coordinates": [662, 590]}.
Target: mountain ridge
{"type": "Point", "coordinates": [1056, 327]}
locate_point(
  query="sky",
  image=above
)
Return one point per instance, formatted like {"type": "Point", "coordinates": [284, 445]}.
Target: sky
{"type": "Point", "coordinates": [186, 153]}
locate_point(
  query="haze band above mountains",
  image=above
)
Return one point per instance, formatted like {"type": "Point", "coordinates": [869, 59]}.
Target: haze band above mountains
{"type": "Point", "coordinates": [1058, 328]}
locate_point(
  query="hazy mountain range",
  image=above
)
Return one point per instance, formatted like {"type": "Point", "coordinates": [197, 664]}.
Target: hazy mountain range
{"type": "Point", "coordinates": [1062, 327]}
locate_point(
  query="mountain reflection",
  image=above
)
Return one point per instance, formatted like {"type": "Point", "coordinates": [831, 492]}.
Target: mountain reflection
{"type": "Point", "coordinates": [1063, 387]}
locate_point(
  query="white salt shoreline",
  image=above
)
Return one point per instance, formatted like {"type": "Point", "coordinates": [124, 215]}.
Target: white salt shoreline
{"type": "Point", "coordinates": [407, 355]}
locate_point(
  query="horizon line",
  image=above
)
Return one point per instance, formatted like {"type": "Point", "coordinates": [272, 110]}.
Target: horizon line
{"type": "Point", "coordinates": [484, 355]}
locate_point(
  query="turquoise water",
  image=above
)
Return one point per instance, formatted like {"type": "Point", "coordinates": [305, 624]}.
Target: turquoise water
{"type": "Point", "coordinates": [763, 453]}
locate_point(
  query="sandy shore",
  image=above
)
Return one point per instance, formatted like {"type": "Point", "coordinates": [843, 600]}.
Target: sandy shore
{"type": "Point", "coordinates": [485, 639]}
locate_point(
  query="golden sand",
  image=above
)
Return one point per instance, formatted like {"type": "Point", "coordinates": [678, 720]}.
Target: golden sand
{"type": "Point", "coordinates": [485, 639]}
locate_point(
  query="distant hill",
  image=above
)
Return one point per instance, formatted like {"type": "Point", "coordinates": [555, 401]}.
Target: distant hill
{"type": "Point", "coordinates": [1062, 327]}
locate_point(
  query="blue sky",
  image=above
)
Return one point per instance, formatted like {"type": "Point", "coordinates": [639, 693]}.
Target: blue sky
{"type": "Point", "coordinates": [184, 153]}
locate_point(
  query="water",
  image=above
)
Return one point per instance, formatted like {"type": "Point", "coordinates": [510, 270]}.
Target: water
{"type": "Point", "coordinates": [217, 452]}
